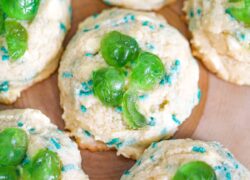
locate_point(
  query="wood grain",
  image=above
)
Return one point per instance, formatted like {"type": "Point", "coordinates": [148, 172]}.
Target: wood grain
{"type": "Point", "coordinates": [226, 117]}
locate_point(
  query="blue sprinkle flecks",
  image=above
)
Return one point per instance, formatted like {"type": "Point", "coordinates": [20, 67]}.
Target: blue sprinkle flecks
{"type": "Point", "coordinates": [4, 86]}
{"type": "Point", "coordinates": [87, 88]}
{"type": "Point", "coordinates": [69, 167]}
{"type": "Point", "coordinates": [152, 158]}
{"type": "Point", "coordinates": [55, 143]}
{"type": "Point", "coordinates": [88, 54]}
{"type": "Point", "coordinates": [5, 57]}
{"type": "Point", "coordinates": [138, 162]}
{"type": "Point", "coordinates": [4, 50]}
{"type": "Point", "coordinates": [67, 75]}
{"type": "Point", "coordinates": [199, 11]}
{"type": "Point", "coordinates": [32, 130]}
{"type": "Point", "coordinates": [87, 133]}
{"type": "Point", "coordinates": [150, 46]}
{"type": "Point", "coordinates": [199, 94]}
{"type": "Point", "coordinates": [167, 79]}
{"type": "Point", "coordinates": [175, 67]}
{"type": "Point", "coordinates": [118, 109]}
{"type": "Point", "coordinates": [113, 141]}
{"type": "Point", "coordinates": [83, 108]}
{"type": "Point", "coordinates": [154, 144]}
{"type": "Point", "coordinates": [20, 124]}
{"type": "Point", "coordinates": [152, 121]}
{"type": "Point", "coordinates": [126, 173]}
{"type": "Point", "coordinates": [177, 121]}
{"type": "Point", "coordinates": [191, 13]}
{"type": "Point", "coordinates": [199, 149]}
{"type": "Point", "coordinates": [63, 27]}
{"type": "Point", "coordinates": [143, 97]}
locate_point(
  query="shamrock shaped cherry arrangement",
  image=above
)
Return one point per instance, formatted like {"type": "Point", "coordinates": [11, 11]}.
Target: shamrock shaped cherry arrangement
{"type": "Point", "coordinates": [16, 36]}
{"type": "Point", "coordinates": [115, 87]}
{"type": "Point", "coordinates": [13, 165]}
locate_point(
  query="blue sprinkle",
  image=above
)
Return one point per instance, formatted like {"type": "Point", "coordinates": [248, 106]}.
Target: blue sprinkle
{"type": "Point", "coordinates": [154, 144]}
{"type": "Point", "coordinates": [138, 162]}
{"type": "Point", "coordinates": [126, 173]}
{"type": "Point", "coordinates": [86, 30]}
{"type": "Point", "coordinates": [87, 133]}
{"type": "Point", "coordinates": [191, 13]}
{"type": "Point", "coordinates": [32, 130]}
{"type": "Point", "coordinates": [4, 50]}
{"type": "Point", "coordinates": [83, 108]}
{"type": "Point", "coordinates": [199, 94]}
{"type": "Point", "coordinates": [161, 26]}
{"type": "Point", "coordinates": [175, 119]}
{"type": "Point", "coordinates": [88, 54]}
{"type": "Point", "coordinates": [167, 79]}
{"type": "Point", "coordinates": [67, 75]}
{"type": "Point", "coordinates": [199, 11]}
{"type": "Point", "coordinates": [55, 143]}
{"type": "Point", "coordinates": [69, 167]}
{"type": "Point", "coordinates": [20, 124]}
{"type": "Point", "coordinates": [97, 26]}
{"type": "Point", "coordinates": [152, 157]}
{"type": "Point", "coordinates": [199, 149]}
{"type": "Point", "coordinates": [5, 57]}
{"type": "Point", "coordinates": [228, 176]}
{"type": "Point", "coordinates": [144, 96]}
{"type": "Point", "coordinates": [145, 23]}
{"type": "Point", "coordinates": [113, 141]}
{"type": "Point", "coordinates": [4, 86]}
{"type": "Point", "coordinates": [118, 109]}
{"type": "Point", "coordinates": [152, 121]}
{"type": "Point", "coordinates": [63, 27]}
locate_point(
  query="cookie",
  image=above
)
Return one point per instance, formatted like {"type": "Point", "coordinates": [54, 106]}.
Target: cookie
{"type": "Point", "coordinates": [175, 158]}
{"type": "Point", "coordinates": [164, 108]}
{"type": "Point", "coordinates": [42, 134]}
{"type": "Point", "coordinates": [220, 40]}
{"type": "Point", "coordinates": [33, 55]}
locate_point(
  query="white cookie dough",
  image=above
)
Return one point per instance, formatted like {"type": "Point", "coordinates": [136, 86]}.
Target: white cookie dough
{"type": "Point", "coordinates": [162, 160]}
{"type": "Point", "coordinates": [46, 33]}
{"type": "Point", "coordinates": [221, 42]}
{"type": "Point", "coordinates": [165, 107]}
{"type": "Point", "coordinates": [43, 134]}
{"type": "Point", "coordinates": [140, 4]}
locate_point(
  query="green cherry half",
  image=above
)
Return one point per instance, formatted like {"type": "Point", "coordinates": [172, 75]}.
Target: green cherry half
{"type": "Point", "coordinates": [2, 19]}
{"type": "Point", "coordinates": [195, 170]}
{"type": "Point", "coordinates": [20, 9]}
{"type": "Point", "coordinates": [147, 72]}
{"type": "Point", "coordinates": [17, 39]}
{"type": "Point", "coordinates": [8, 173]}
{"type": "Point", "coordinates": [132, 116]}
{"type": "Point", "coordinates": [118, 49]}
{"type": "Point", "coordinates": [13, 146]}
{"type": "Point", "coordinates": [241, 14]}
{"type": "Point", "coordinates": [44, 165]}
{"type": "Point", "coordinates": [108, 85]}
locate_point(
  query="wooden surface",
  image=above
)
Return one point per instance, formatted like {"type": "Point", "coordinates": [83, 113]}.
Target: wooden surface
{"type": "Point", "coordinates": [225, 117]}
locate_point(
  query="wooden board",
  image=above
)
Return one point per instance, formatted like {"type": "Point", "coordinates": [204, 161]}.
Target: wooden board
{"type": "Point", "coordinates": [226, 111]}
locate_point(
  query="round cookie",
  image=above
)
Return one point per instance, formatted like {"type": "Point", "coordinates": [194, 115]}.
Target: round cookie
{"type": "Point", "coordinates": [140, 5]}
{"type": "Point", "coordinates": [43, 134]}
{"type": "Point", "coordinates": [162, 160]}
{"type": "Point", "coordinates": [219, 39]}
{"type": "Point", "coordinates": [45, 33]}
{"type": "Point", "coordinates": [98, 127]}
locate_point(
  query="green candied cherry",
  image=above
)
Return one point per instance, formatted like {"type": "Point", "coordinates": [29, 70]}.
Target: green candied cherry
{"type": "Point", "coordinates": [108, 85]}
{"type": "Point", "coordinates": [2, 19]}
{"type": "Point", "coordinates": [241, 14]}
{"type": "Point", "coordinates": [20, 9]}
{"type": "Point", "coordinates": [44, 165]}
{"type": "Point", "coordinates": [13, 146]}
{"type": "Point", "coordinates": [17, 39]}
{"type": "Point", "coordinates": [118, 49]}
{"type": "Point", "coordinates": [132, 116]}
{"type": "Point", "coordinates": [147, 72]}
{"type": "Point", "coordinates": [8, 173]}
{"type": "Point", "coordinates": [195, 170]}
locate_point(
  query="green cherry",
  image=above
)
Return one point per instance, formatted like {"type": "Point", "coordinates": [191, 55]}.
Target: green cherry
{"type": "Point", "coordinates": [118, 49]}
{"type": "Point", "coordinates": [195, 170]}
{"type": "Point", "coordinates": [44, 165]}
{"type": "Point", "coordinates": [147, 72]}
{"type": "Point", "coordinates": [108, 85]}
{"type": "Point", "coordinates": [8, 173]}
{"type": "Point", "coordinates": [13, 146]}
{"type": "Point", "coordinates": [20, 9]}
{"type": "Point", "coordinates": [132, 116]}
{"type": "Point", "coordinates": [17, 39]}
{"type": "Point", "coordinates": [241, 14]}
{"type": "Point", "coordinates": [2, 19]}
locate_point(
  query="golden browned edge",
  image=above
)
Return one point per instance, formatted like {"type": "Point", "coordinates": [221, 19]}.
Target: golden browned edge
{"type": "Point", "coordinates": [42, 76]}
